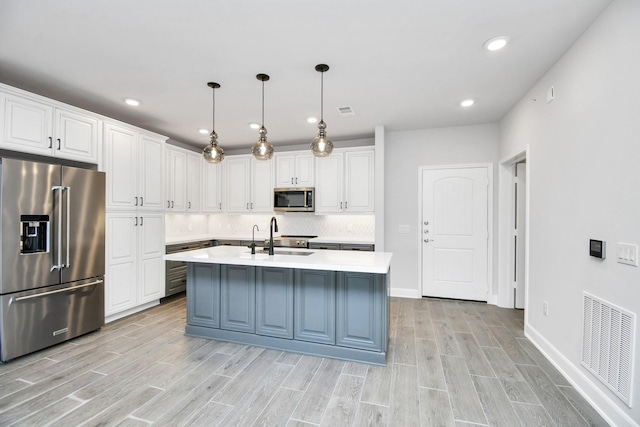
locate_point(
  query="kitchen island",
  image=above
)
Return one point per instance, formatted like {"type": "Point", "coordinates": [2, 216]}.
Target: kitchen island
{"type": "Point", "coordinates": [326, 303]}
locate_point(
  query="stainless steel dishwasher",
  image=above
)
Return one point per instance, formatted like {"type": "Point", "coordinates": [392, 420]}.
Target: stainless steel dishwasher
{"type": "Point", "coordinates": [176, 271]}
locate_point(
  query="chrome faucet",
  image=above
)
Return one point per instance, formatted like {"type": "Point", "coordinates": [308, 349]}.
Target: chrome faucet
{"type": "Point", "coordinates": [271, 228]}
{"type": "Point", "coordinates": [253, 239]}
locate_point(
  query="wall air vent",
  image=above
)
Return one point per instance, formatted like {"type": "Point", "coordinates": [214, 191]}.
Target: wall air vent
{"type": "Point", "coordinates": [607, 344]}
{"type": "Point", "coordinates": [346, 111]}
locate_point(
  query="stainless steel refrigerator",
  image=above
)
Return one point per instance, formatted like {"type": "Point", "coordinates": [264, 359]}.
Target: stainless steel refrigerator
{"type": "Point", "coordinates": [52, 254]}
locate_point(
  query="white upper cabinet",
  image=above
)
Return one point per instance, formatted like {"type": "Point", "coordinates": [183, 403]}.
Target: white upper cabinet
{"type": "Point", "coordinates": [176, 180]}
{"type": "Point", "coordinates": [248, 185]}
{"type": "Point", "coordinates": [212, 193]}
{"type": "Point", "coordinates": [183, 180]}
{"type": "Point", "coordinates": [345, 182]}
{"type": "Point", "coordinates": [33, 125]}
{"type": "Point", "coordinates": [134, 165]}
{"type": "Point", "coordinates": [194, 182]}
{"type": "Point", "coordinates": [294, 169]}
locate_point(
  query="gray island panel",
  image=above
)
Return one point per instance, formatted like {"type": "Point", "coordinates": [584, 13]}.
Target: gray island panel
{"type": "Point", "coordinates": [336, 314]}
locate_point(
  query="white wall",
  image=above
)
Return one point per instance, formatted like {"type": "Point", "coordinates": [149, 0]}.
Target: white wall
{"type": "Point", "coordinates": [404, 153]}
{"type": "Point", "coordinates": [584, 183]}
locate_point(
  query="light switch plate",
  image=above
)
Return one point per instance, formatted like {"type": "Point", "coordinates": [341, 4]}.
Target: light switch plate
{"type": "Point", "coordinates": [628, 254]}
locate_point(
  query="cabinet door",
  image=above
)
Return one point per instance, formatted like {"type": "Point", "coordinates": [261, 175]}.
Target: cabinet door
{"type": "Point", "coordinates": [151, 176]}
{"type": "Point", "coordinates": [359, 181]}
{"type": "Point", "coordinates": [194, 182]}
{"type": "Point", "coordinates": [314, 306]}
{"type": "Point", "coordinates": [151, 248]}
{"type": "Point", "coordinates": [360, 310]}
{"type": "Point", "coordinates": [304, 176]}
{"type": "Point", "coordinates": [203, 288]}
{"type": "Point", "coordinates": [28, 125]}
{"type": "Point", "coordinates": [121, 148]}
{"type": "Point", "coordinates": [177, 180]}
{"type": "Point", "coordinates": [262, 186]}
{"type": "Point", "coordinates": [329, 183]}
{"type": "Point", "coordinates": [237, 185]}
{"type": "Point", "coordinates": [212, 197]}
{"type": "Point", "coordinates": [274, 302]}
{"type": "Point", "coordinates": [238, 298]}
{"type": "Point", "coordinates": [120, 283]}
{"type": "Point", "coordinates": [76, 136]}
{"type": "Point", "coordinates": [285, 169]}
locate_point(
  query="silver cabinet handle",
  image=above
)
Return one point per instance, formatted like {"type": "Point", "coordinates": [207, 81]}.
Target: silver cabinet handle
{"type": "Point", "coordinates": [189, 205]}
{"type": "Point", "coordinates": [50, 142]}
{"type": "Point", "coordinates": [141, 221]}
{"type": "Point", "coordinates": [345, 205]}
{"type": "Point", "coordinates": [13, 299]}
{"type": "Point", "coordinates": [251, 205]}
{"type": "Point", "coordinates": [136, 197]}
{"type": "Point", "coordinates": [247, 206]}
{"type": "Point", "coordinates": [58, 143]}
{"type": "Point", "coordinates": [172, 204]}
{"type": "Point", "coordinates": [427, 240]}
{"type": "Point", "coordinates": [340, 205]}
{"type": "Point", "coordinates": [296, 179]}
{"type": "Point", "coordinates": [168, 204]}
{"type": "Point", "coordinates": [136, 224]}
{"type": "Point", "coordinates": [220, 206]}
{"type": "Point", "coordinates": [292, 180]}
{"type": "Point", "coordinates": [141, 201]}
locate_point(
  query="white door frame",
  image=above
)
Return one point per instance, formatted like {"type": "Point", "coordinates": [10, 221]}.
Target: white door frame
{"type": "Point", "coordinates": [505, 246]}
{"type": "Point", "coordinates": [491, 298]}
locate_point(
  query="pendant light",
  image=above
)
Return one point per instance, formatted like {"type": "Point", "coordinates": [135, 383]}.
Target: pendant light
{"type": "Point", "coordinates": [213, 153]}
{"type": "Point", "coordinates": [262, 150]}
{"type": "Point", "coordinates": [321, 145]}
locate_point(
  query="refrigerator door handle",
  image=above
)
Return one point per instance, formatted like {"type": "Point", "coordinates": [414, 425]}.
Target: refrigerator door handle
{"type": "Point", "coordinates": [14, 299]}
{"type": "Point", "coordinates": [59, 265]}
{"type": "Point", "coordinates": [68, 190]}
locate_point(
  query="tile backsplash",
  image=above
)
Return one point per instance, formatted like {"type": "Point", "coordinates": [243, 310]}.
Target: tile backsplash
{"type": "Point", "coordinates": [352, 226]}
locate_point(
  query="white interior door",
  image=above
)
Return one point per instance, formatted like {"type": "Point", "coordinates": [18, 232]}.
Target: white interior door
{"type": "Point", "coordinates": [519, 236]}
{"type": "Point", "coordinates": [455, 233]}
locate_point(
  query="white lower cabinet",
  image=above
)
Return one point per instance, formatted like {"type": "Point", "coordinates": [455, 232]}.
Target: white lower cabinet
{"type": "Point", "coordinates": [135, 266]}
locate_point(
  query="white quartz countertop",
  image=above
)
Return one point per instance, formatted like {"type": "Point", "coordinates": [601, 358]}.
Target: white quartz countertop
{"type": "Point", "coordinates": [362, 262]}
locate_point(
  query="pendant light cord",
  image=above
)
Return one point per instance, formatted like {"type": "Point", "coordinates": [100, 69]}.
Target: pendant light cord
{"type": "Point", "coordinates": [262, 125]}
{"type": "Point", "coordinates": [322, 96]}
{"type": "Point", "coordinates": [213, 117]}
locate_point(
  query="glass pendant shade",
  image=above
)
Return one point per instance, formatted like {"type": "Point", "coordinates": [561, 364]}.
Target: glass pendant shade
{"type": "Point", "coordinates": [213, 153]}
{"type": "Point", "coordinates": [263, 149]}
{"type": "Point", "coordinates": [321, 145]}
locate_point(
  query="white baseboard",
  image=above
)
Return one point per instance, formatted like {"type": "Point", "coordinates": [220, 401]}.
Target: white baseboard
{"type": "Point", "coordinates": [584, 384]}
{"type": "Point", "coordinates": [130, 311]}
{"type": "Point", "coordinates": [405, 293]}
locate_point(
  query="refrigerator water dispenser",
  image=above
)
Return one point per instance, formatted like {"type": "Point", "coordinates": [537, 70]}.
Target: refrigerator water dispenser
{"type": "Point", "coordinates": [34, 234]}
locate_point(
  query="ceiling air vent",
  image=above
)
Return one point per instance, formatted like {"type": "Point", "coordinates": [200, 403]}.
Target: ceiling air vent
{"type": "Point", "coordinates": [346, 111]}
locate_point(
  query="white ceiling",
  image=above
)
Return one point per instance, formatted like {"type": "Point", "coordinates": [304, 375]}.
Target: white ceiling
{"type": "Point", "coordinates": [404, 64]}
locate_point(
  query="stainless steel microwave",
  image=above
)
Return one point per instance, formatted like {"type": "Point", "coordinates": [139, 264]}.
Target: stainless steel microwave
{"type": "Point", "coordinates": [294, 199]}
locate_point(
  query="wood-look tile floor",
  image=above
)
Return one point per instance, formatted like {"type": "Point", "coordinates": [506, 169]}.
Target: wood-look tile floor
{"type": "Point", "coordinates": [450, 363]}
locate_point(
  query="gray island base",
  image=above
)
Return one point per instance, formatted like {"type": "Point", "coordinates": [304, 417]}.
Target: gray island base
{"type": "Point", "coordinates": [326, 313]}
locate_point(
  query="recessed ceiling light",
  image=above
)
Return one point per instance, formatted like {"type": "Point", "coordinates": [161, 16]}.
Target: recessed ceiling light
{"type": "Point", "coordinates": [467, 102]}
{"type": "Point", "coordinates": [132, 102]}
{"type": "Point", "coordinates": [496, 43]}
{"type": "Point", "coordinates": [204, 131]}
{"type": "Point", "coordinates": [254, 125]}
{"type": "Point", "coordinates": [312, 120]}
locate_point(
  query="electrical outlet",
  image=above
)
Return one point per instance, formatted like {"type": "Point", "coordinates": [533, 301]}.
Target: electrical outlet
{"type": "Point", "coordinates": [545, 308]}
